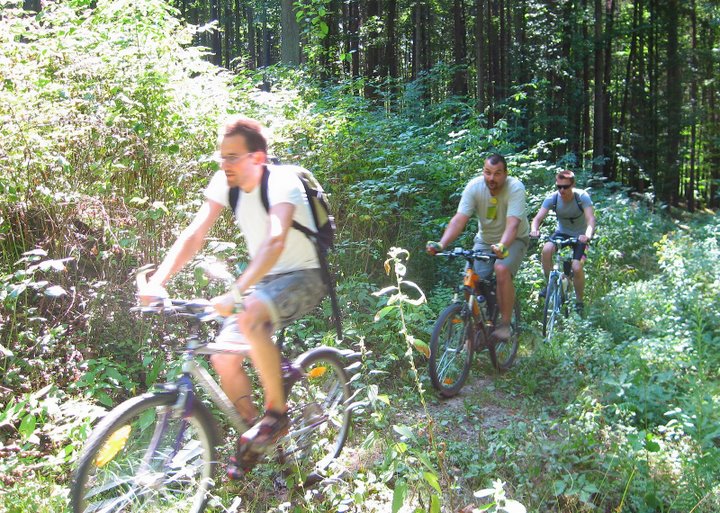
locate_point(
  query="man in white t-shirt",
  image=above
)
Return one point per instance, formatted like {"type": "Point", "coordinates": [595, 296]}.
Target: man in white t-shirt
{"type": "Point", "coordinates": [498, 200]}
{"type": "Point", "coordinates": [281, 283]}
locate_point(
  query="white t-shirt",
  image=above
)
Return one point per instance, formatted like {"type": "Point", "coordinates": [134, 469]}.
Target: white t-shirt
{"type": "Point", "coordinates": [510, 202]}
{"type": "Point", "coordinates": [284, 186]}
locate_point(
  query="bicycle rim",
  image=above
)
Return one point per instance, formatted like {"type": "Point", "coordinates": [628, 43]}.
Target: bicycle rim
{"type": "Point", "coordinates": [451, 350]}
{"type": "Point", "coordinates": [319, 409]}
{"type": "Point", "coordinates": [144, 457]}
{"type": "Point", "coordinates": [502, 354]}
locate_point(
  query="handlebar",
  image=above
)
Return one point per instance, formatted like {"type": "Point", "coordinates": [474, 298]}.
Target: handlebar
{"type": "Point", "coordinates": [469, 254]}
{"type": "Point", "coordinates": [198, 309]}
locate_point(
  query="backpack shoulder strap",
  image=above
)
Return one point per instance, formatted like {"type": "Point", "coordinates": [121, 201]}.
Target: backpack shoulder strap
{"type": "Point", "coordinates": [579, 203]}
{"type": "Point", "coordinates": [233, 197]}
{"type": "Point", "coordinates": [555, 199]}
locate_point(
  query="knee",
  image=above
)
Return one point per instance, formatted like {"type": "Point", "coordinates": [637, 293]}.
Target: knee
{"type": "Point", "coordinates": [502, 273]}
{"type": "Point", "coordinates": [226, 363]}
{"type": "Point", "coordinates": [255, 319]}
{"type": "Point", "coordinates": [577, 267]}
{"type": "Point", "coordinates": [547, 251]}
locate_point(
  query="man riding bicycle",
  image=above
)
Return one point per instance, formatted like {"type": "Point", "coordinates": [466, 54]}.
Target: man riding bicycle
{"type": "Point", "coordinates": [281, 283]}
{"type": "Point", "coordinates": [575, 218]}
{"type": "Point", "coordinates": [499, 203]}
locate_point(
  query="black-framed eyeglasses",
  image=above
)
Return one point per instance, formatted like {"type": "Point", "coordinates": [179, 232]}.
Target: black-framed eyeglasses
{"type": "Point", "coordinates": [560, 186]}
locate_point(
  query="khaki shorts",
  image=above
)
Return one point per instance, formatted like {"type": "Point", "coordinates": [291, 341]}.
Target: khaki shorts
{"type": "Point", "coordinates": [517, 251]}
{"type": "Point", "coordinates": [288, 297]}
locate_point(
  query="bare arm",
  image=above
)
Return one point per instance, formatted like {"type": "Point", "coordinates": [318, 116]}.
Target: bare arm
{"type": "Point", "coordinates": [537, 221]}
{"type": "Point", "coordinates": [511, 228]}
{"type": "Point", "coordinates": [590, 219]}
{"type": "Point", "coordinates": [188, 243]}
{"type": "Point", "coordinates": [454, 228]}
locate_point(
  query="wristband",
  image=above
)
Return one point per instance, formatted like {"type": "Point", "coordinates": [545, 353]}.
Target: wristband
{"type": "Point", "coordinates": [502, 249]}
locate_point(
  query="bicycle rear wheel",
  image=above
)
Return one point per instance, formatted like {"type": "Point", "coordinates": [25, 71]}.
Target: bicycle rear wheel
{"type": "Point", "coordinates": [551, 310]}
{"type": "Point", "coordinates": [319, 409]}
{"type": "Point", "coordinates": [502, 353]}
{"type": "Point", "coordinates": [451, 349]}
{"type": "Point", "coordinates": [143, 456]}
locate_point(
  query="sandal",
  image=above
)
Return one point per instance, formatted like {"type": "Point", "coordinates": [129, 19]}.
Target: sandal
{"type": "Point", "coordinates": [269, 430]}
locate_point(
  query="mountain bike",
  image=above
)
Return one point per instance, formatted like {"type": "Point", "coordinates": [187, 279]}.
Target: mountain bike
{"type": "Point", "coordinates": [559, 285]}
{"type": "Point", "coordinates": [466, 326]}
{"type": "Point", "coordinates": [159, 451]}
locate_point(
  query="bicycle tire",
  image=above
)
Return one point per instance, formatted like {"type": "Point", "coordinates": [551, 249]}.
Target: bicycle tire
{"type": "Point", "coordinates": [551, 308]}
{"type": "Point", "coordinates": [119, 470]}
{"type": "Point", "coordinates": [320, 412]}
{"type": "Point", "coordinates": [503, 353]}
{"type": "Point", "coordinates": [451, 349]}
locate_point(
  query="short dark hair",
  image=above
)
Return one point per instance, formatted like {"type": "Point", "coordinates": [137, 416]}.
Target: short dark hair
{"type": "Point", "coordinates": [495, 158]}
{"type": "Point", "coordinates": [250, 129]}
{"type": "Point", "coordinates": [566, 174]}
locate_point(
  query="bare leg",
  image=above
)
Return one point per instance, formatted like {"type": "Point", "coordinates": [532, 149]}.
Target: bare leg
{"type": "Point", "coordinates": [255, 325]}
{"type": "Point", "coordinates": [235, 383]}
{"type": "Point", "coordinates": [578, 279]}
{"type": "Point", "coordinates": [547, 256]}
{"type": "Point", "coordinates": [505, 292]}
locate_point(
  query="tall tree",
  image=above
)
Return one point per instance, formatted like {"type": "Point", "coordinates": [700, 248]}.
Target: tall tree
{"type": "Point", "coordinates": [459, 83]}
{"type": "Point", "coordinates": [671, 185]}
{"type": "Point", "coordinates": [290, 49]}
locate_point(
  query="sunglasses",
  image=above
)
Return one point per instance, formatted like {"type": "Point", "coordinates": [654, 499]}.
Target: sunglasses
{"type": "Point", "coordinates": [560, 187]}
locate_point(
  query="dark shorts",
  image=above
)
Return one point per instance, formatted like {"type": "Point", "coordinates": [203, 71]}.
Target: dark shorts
{"type": "Point", "coordinates": [578, 248]}
{"type": "Point", "coordinates": [288, 297]}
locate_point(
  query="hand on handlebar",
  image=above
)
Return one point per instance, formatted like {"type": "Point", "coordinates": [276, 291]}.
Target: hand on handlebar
{"type": "Point", "coordinates": [584, 239]}
{"type": "Point", "coordinates": [151, 293]}
{"type": "Point", "coordinates": [224, 304]}
{"type": "Point", "coordinates": [500, 250]}
{"type": "Point", "coordinates": [432, 248]}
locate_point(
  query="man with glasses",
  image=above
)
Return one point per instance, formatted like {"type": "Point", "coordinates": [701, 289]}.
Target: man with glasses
{"type": "Point", "coordinates": [575, 218]}
{"type": "Point", "coordinates": [281, 283]}
{"type": "Point", "coordinates": [498, 200]}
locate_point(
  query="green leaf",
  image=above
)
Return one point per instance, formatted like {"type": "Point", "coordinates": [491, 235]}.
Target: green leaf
{"type": "Point", "coordinates": [432, 480]}
{"type": "Point", "coordinates": [27, 426]}
{"type": "Point", "coordinates": [382, 313]}
{"type": "Point", "coordinates": [435, 503]}
{"type": "Point", "coordinates": [512, 506]}
{"type": "Point", "coordinates": [104, 398]}
{"type": "Point", "coordinates": [55, 291]}
{"type": "Point", "coordinates": [404, 431]}
{"type": "Point", "coordinates": [399, 493]}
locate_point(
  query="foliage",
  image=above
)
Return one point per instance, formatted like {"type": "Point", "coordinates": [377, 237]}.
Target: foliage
{"type": "Point", "coordinates": [106, 143]}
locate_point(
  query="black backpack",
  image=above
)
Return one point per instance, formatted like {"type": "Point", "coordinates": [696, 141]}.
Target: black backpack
{"type": "Point", "coordinates": [323, 239]}
{"type": "Point", "coordinates": [577, 200]}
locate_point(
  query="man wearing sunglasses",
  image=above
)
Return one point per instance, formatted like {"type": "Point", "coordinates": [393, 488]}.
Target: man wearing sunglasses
{"type": "Point", "coordinates": [576, 218]}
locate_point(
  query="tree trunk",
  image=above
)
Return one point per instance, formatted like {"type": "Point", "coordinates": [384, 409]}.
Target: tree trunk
{"type": "Point", "coordinates": [480, 54]}
{"type": "Point", "coordinates": [607, 78]}
{"type": "Point", "coordinates": [599, 102]}
{"type": "Point", "coordinates": [216, 40]}
{"type": "Point", "coordinates": [290, 34]}
{"type": "Point", "coordinates": [252, 62]}
{"type": "Point", "coordinates": [372, 51]}
{"type": "Point", "coordinates": [674, 104]}
{"type": "Point", "coordinates": [459, 84]}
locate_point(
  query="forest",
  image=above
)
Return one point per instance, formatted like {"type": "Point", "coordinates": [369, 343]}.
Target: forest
{"type": "Point", "coordinates": [110, 112]}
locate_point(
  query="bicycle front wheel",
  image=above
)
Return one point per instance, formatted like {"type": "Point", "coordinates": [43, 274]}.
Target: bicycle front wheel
{"type": "Point", "coordinates": [551, 311]}
{"type": "Point", "coordinates": [146, 456]}
{"type": "Point", "coordinates": [319, 409]}
{"type": "Point", "coordinates": [502, 353]}
{"type": "Point", "coordinates": [451, 349]}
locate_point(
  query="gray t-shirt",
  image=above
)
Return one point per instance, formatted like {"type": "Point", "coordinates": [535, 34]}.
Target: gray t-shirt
{"type": "Point", "coordinates": [476, 199]}
{"type": "Point", "coordinates": [571, 219]}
